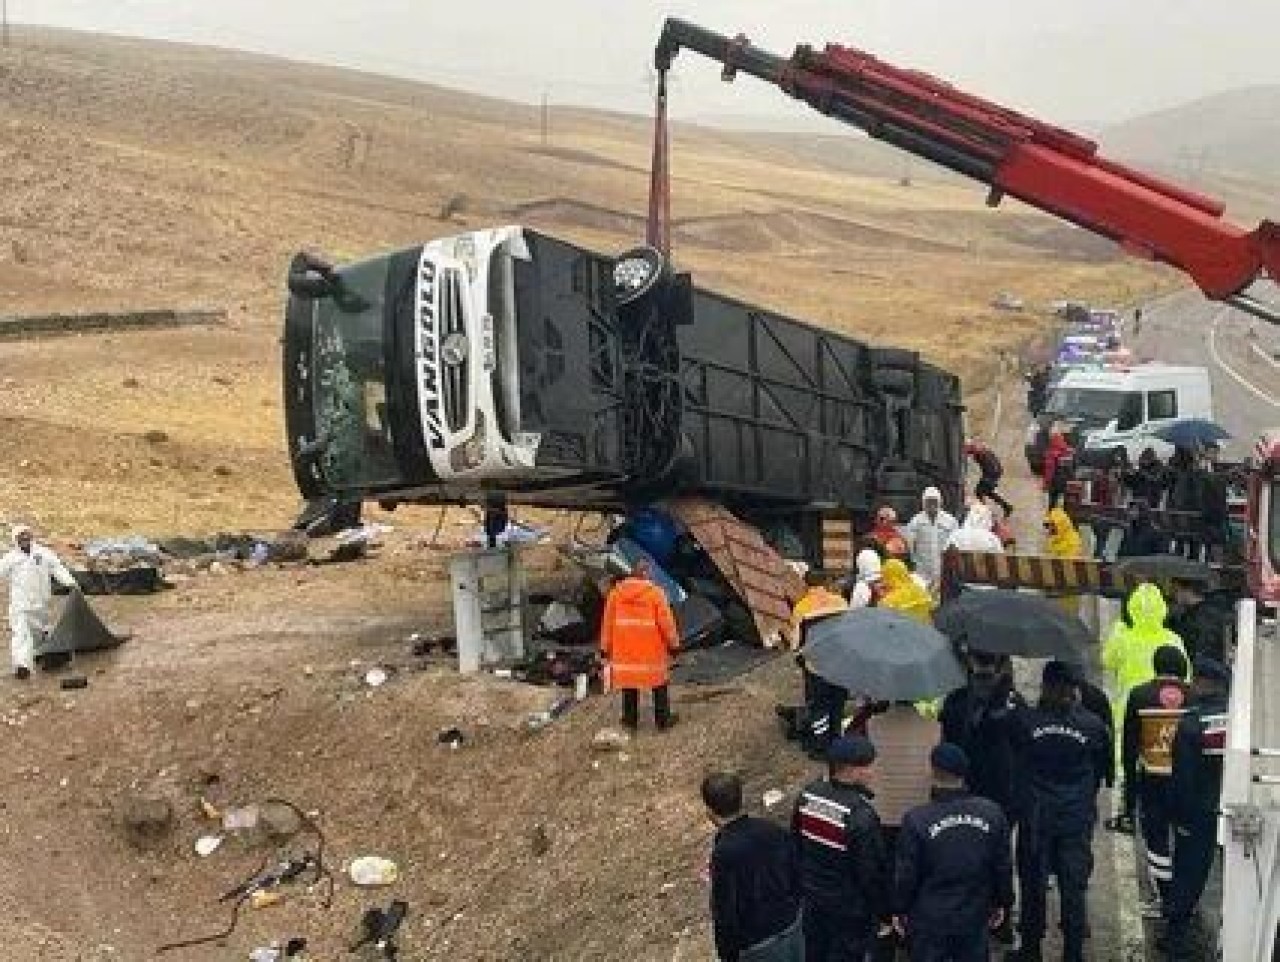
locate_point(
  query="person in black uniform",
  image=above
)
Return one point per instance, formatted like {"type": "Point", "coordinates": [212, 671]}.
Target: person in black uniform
{"type": "Point", "coordinates": [953, 878]}
{"type": "Point", "coordinates": [1065, 755]}
{"type": "Point", "coordinates": [1150, 720]}
{"type": "Point", "coordinates": [755, 890]}
{"type": "Point", "coordinates": [844, 875]}
{"type": "Point", "coordinates": [1205, 620]}
{"type": "Point", "coordinates": [977, 718]}
{"type": "Point", "coordinates": [1141, 536]}
{"type": "Point", "coordinates": [1198, 749]}
{"type": "Point", "coordinates": [1149, 481]}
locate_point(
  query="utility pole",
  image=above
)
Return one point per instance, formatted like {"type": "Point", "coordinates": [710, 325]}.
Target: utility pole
{"type": "Point", "coordinates": [546, 116]}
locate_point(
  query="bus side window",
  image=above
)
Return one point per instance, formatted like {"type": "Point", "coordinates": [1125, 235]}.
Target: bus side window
{"type": "Point", "coordinates": [1130, 413]}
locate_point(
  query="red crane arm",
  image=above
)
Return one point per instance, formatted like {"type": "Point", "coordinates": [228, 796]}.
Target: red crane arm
{"type": "Point", "coordinates": [1045, 166]}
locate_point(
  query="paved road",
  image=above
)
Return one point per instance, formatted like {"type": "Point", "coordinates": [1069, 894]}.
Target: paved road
{"type": "Point", "coordinates": [1187, 329]}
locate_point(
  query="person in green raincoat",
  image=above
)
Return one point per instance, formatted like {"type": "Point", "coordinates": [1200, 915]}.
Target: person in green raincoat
{"type": "Point", "coordinates": [1129, 654]}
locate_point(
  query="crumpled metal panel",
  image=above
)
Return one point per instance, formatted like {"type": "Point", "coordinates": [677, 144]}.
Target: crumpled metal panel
{"type": "Point", "coordinates": [763, 580]}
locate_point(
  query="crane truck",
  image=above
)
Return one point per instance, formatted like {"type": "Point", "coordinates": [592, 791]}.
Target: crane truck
{"type": "Point", "coordinates": [1063, 174]}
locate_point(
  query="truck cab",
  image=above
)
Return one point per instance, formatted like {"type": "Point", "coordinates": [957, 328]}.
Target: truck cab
{"type": "Point", "coordinates": [1107, 411]}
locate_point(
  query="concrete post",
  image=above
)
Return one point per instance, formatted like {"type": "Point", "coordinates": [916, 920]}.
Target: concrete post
{"type": "Point", "coordinates": [488, 606]}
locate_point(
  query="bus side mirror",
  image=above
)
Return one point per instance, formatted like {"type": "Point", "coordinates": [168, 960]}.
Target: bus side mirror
{"type": "Point", "coordinates": [312, 277]}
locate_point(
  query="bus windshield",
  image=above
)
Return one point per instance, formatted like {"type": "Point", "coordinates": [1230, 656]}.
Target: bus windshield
{"type": "Point", "coordinates": [350, 397]}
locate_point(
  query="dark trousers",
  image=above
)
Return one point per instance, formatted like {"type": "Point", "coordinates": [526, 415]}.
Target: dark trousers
{"type": "Point", "coordinates": [1155, 816]}
{"type": "Point", "coordinates": [948, 947]}
{"type": "Point", "coordinates": [661, 707]}
{"type": "Point", "coordinates": [786, 946]}
{"type": "Point", "coordinates": [986, 488]}
{"type": "Point", "coordinates": [835, 938]}
{"type": "Point", "coordinates": [884, 948]}
{"type": "Point", "coordinates": [1069, 856]}
{"type": "Point", "coordinates": [825, 703]}
{"type": "Point", "coordinates": [1194, 847]}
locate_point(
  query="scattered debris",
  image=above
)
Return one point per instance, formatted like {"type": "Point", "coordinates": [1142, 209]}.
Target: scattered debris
{"type": "Point", "coordinates": [73, 682]}
{"type": "Point", "coordinates": [772, 797]}
{"type": "Point", "coordinates": [206, 845]}
{"type": "Point", "coordinates": [376, 677]}
{"type": "Point", "coordinates": [243, 819]}
{"type": "Point", "coordinates": [279, 822]}
{"type": "Point", "coordinates": [380, 927]}
{"type": "Point", "coordinates": [369, 871]}
{"type": "Point", "coordinates": [427, 645]}
{"type": "Point", "coordinates": [123, 550]}
{"type": "Point", "coordinates": [539, 841]}
{"type": "Point", "coordinates": [610, 740]}
{"type": "Point", "coordinates": [452, 737]}
{"type": "Point", "coordinates": [146, 818]}
{"type": "Point", "coordinates": [265, 898]}
{"type": "Point", "coordinates": [514, 533]}
{"type": "Point", "coordinates": [275, 952]}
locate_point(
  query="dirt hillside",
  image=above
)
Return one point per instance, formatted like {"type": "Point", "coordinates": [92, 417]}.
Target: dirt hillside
{"type": "Point", "coordinates": [139, 174]}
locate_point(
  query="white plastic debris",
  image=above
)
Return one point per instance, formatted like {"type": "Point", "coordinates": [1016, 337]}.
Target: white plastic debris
{"type": "Point", "coordinates": [206, 845]}
{"type": "Point", "coordinates": [376, 677]}
{"type": "Point", "coordinates": [240, 819]}
{"type": "Point", "coordinates": [772, 797]}
{"type": "Point", "coordinates": [373, 870]}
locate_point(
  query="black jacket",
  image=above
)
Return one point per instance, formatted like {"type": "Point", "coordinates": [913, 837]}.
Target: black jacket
{"type": "Point", "coordinates": [1065, 755]}
{"type": "Point", "coordinates": [953, 864]}
{"type": "Point", "coordinates": [844, 868]}
{"type": "Point", "coordinates": [1142, 539]}
{"type": "Point", "coordinates": [1160, 692]}
{"type": "Point", "coordinates": [988, 464]}
{"type": "Point", "coordinates": [1094, 699]}
{"type": "Point", "coordinates": [1206, 626]}
{"type": "Point", "coordinates": [1147, 484]}
{"type": "Point", "coordinates": [979, 722]}
{"type": "Point", "coordinates": [755, 891]}
{"type": "Point", "coordinates": [1198, 749]}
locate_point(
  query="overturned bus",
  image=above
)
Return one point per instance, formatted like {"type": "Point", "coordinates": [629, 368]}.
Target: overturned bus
{"type": "Point", "coordinates": [508, 363]}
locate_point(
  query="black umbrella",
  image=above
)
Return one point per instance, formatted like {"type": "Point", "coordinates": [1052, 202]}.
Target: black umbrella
{"type": "Point", "coordinates": [1003, 622]}
{"type": "Point", "coordinates": [1166, 567]}
{"type": "Point", "coordinates": [1190, 432]}
{"type": "Point", "coordinates": [882, 654]}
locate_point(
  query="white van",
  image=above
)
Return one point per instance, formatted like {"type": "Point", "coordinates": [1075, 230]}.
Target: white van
{"type": "Point", "coordinates": [1124, 408]}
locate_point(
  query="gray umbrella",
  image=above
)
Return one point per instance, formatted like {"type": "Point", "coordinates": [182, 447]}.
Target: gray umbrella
{"type": "Point", "coordinates": [1003, 622]}
{"type": "Point", "coordinates": [882, 654]}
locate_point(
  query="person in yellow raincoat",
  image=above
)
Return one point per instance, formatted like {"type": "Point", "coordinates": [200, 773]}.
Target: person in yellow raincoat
{"type": "Point", "coordinates": [1129, 653]}
{"type": "Point", "coordinates": [817, 600]}
{"type": "Point", "coordinates": [904, 593]}
{"type": "Point", "coordinates": [1062, 540]}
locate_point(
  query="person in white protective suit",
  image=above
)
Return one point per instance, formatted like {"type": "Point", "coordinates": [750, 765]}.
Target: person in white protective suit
{"type": "Point", "coordinates": [30, 569]}
{"type": "Point", "coordinates": [977, 532]}
{"type": "Point", "coordinates": [868, 589]}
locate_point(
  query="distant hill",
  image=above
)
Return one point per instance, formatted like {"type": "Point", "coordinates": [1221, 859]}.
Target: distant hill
{"type": "Point", "coordinates": [1234, 133]}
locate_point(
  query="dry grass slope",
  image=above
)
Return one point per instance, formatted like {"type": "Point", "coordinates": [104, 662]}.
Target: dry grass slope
{"type": "Point", "coordinates": [137, 174]}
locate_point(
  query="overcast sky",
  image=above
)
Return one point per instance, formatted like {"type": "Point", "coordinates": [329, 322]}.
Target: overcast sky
{"type": "Point", "coordinates": [1082, 62]}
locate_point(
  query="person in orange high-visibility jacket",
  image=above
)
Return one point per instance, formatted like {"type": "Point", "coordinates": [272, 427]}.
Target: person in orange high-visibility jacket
{"type": "Point", "coordinates": [638, 636]}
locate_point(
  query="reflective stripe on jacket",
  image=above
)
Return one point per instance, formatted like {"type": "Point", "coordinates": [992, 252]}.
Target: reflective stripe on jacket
{"type": "Point", "coordinates": [638, 634]}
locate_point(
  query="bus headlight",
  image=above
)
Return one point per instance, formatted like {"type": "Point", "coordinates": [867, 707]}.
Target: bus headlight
{"type": "Point", "coordinates": [471, 453]}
